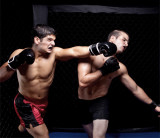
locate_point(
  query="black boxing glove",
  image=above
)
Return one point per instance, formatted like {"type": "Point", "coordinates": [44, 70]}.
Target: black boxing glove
{"type": "Point", "coordinates": [105, 48]}
{"type": "Point", "coordinates": [109, 66]}
{"type": "Point", "coordinates": [26, 55]}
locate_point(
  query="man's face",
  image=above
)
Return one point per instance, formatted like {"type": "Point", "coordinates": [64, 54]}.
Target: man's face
{"type": "Point", "coordinates": [47, 43]}
{"type": "Point", "coordinates": [121, 42]}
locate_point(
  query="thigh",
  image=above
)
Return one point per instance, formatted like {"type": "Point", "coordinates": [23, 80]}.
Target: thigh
{"type": "Point", "coordinates": [84, 113]}
{"type": "Point", "coordinates": [100, 108]}
{"type": "Point", "coordinates": [27, 112]}
{"type": "Point", "coordinates": [100, 124]}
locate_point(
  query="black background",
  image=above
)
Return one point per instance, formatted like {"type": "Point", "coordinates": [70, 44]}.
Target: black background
{"type": "Point", "coordinates": [141, 59]}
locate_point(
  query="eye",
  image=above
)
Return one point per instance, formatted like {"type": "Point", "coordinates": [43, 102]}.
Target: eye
{"type": "Point", "coordinates": [50, 39]}
{"type": "Point", "coordinates": [125, 40]}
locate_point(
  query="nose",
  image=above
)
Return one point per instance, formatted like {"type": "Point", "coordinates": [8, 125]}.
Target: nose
{"type": "Point", "coordinates": [126, 43]}
{"type": "Point", "coordinates": [53, 43]}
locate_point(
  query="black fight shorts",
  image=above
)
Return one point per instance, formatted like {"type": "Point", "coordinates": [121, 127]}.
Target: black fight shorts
{"type": "Point", "coordinates": [30, 111]}
{"type": "Point", "coordinates": [90, 110]}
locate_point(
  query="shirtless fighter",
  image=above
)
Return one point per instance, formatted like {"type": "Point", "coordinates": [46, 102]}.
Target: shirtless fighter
{"type": "Point", "coordinates": [95, 74]}
{"type": "Point", "coordinates": [35, 69]}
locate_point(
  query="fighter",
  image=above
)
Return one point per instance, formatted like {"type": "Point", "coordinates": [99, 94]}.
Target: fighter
{"type": "Point", "coordinates": [95, 74]}
{"type": "Point", "coordinates": [35, 68]}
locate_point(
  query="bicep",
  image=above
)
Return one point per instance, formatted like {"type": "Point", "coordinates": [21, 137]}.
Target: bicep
{"type": "Point", "coordinates": [84, 67]}
{"type": "Point", "coordinates": [73, 52]}
{"type": "Point", "coordinates": [63, 54]}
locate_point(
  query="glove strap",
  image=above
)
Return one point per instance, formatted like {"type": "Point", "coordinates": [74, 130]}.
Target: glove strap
{"type": "Point", "coordinates": [10, 62]}
{"type": "Point", "coordinates": [93, 49]}
{"type": "Point", "coordinates": [97, 48]}
{"type": "Point", "coordinates": [153, 105]}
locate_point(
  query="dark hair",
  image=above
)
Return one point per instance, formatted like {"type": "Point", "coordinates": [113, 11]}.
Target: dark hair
{"type": "Point", "coordinates": [116, 33]}
{"type": "Point", "coordinates": [41, 31]}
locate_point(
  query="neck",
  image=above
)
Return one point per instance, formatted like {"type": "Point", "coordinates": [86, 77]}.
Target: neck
{"type": "Point", "coordinates": [39, 53]}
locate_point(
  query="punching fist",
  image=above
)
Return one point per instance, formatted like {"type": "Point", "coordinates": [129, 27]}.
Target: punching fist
{"type": "Point", "coordinates": [109, 66]}
{"type": "Point", "coordinates": [26, 55]}
{"type": "Point", "coordinates": [105, 48]}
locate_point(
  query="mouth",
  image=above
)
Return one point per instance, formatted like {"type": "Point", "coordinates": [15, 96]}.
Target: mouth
{"type": "Point", "coordinates": [124, 48]}
{"type": "Point", "coordinates": [50, 47]}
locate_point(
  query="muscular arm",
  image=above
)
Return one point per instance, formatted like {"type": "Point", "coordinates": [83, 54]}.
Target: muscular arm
{"type": "Point", "coordinates": [73, 52]}
{"type": "Point", "coordinates": [85, 76]}
{"type": "Point", "coordinates": [133, 87]}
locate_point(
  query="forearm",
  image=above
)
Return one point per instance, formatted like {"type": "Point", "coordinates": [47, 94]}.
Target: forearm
{"type": "Point", "coordinates": [142, 96]}
{"type": "Point", "coordinates": [138, 92]}
{"type": "Point", "coordinates": [5, 72]}
{"type": "Point", "coordinates": [81, 51]}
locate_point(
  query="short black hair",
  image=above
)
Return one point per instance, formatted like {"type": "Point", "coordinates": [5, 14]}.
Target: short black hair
{"type": "Point", "coordinates": [116, 33]}
{"type": "Point", "coordinates": [41, 31]}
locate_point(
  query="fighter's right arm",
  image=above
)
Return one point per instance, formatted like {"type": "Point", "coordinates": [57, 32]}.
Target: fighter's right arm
{"type": "Point", "coordinates": [85, 76]}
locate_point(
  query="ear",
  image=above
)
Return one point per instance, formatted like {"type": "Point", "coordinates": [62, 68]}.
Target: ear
{"type": "Point", "coordinates": [112, 39]}
{"type": "Point", "coordinates": [36, 40]}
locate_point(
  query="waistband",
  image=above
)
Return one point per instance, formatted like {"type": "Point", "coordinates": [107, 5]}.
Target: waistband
{"type": "Point", "coordinates": [36, 101]}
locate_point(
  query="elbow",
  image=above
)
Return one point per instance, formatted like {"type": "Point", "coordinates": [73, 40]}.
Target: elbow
{"type": "Point", "coordinates": [83, 84]}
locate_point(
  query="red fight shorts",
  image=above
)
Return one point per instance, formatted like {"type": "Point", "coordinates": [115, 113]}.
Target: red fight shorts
{"type": "Point", "coordinates": [30, 111]}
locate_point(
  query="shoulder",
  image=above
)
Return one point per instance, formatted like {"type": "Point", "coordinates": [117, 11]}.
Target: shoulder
{"type": "Point", "coordinates": [57, 49]}
{"type": "Point", "coordinates": [16, 52]}
{"type": "Point", "coordinates": [90, 59]}
{"type": "Point", "coordinates": [84, 60]}
{"type": "Point", "coordinates": [57, 52]}
{"type": "Point", "coordinates": [123, 68]}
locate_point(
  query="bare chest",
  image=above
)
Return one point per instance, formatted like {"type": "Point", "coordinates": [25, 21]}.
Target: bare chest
{"type": "Point", "coordinates": [40, 69]}
{"type": "Point", "coordinates": [98, 62]}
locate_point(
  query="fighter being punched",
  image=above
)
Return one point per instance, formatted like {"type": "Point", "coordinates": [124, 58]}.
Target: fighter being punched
{"type": "Point", "coordinates": [35, 69]}
{"type": "Point", "coordinates": [95, 74]}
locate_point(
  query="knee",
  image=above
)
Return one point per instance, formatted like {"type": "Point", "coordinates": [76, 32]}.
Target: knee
{"type": "Point", "coordinates": [39, 131]}
{"type": "Point", "coordinates": [99, 134]}
{"type": "Point", "coordinates": [43, 134]}
{"type": "Point", "coordinates": [21, 128]}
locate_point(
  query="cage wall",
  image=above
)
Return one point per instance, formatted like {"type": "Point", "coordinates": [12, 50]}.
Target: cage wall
{"type": "Point", "coordinates": [76, 28]}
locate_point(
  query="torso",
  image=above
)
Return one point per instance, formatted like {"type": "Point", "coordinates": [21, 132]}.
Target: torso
{"type": "Point", "coordinates": [99, 88]}
{"type": "Point", "coordinates": [35, 79]}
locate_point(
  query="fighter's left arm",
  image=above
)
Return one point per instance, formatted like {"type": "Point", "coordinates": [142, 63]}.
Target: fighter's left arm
{"type": "Point", "coordinates": [137, 91]}
{"type": "Point", "coordinates": [73, 52]}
